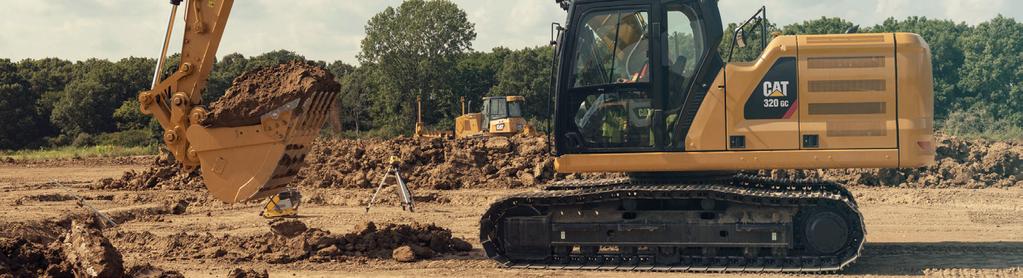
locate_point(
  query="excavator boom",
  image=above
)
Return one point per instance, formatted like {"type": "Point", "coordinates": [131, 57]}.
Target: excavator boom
{"type": "Point", "coordinates": [237, 163]}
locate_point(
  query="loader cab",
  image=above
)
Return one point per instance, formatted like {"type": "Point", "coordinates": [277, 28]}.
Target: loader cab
{"type": "Point", "coordinates": [631, 74]}
{"type": "Point", "coordinates": [503, 114]}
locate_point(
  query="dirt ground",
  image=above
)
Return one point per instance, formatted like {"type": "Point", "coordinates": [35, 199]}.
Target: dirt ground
{"type": "Point", "coordinates": [911, 231]}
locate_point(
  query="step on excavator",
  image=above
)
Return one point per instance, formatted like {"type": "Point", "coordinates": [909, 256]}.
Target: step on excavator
{"type": "Point", "coordinates": [641, 88]}
{"type": "Point", "coordinates": [238, 163]}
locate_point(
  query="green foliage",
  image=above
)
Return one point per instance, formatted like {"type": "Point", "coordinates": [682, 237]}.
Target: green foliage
{"type": "Point", "coordinates": [527, 73]}
{"type": "Point", "coordinates": [823, 25]}
{"type": "Point", "coordinates": [127, 138]}
{"type": "Point", "coordinates": [17, 109]}
{"type": "Point", "coordinates": [78, 152]}
{"type": "Point", "coordinates": [475, 75]}
{"type": "Point", "coordinates": [753, 48]}
{"type": "Point", "coordinates": [979, 123]}
{"type": "Point", "coordinates": [128, 116]}
{"type": "Point", "coordinates": [415, 48]}
{"type": "Point", "coordinates": [992, 71]}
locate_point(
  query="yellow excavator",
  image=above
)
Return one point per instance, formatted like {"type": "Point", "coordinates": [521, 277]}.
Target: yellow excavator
{"type": "Point", "coordinates": [237, 163]}
{"type": "Point", "coordinates": [641, 88]}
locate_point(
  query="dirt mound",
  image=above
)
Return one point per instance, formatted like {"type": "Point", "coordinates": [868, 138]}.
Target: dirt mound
{"type": "Point", "coordinates": [150, 271]}
{"type": "Point", "coordinates": [959, 164]}
{"type": "Point", "coordinates": [90, 254]}
{"type": "Point", "coordinates": [163, 173]}
{"type": "Point", "coordinates": [494, 162]}
{"type": "Point", "coordinates": [65, 248]}
{"type": "Point", "coordinates": [258, 92]}
{"type": "Point", "coordinates": [247, 273]}
{"type": "Point", "coordinates": [312, 244]}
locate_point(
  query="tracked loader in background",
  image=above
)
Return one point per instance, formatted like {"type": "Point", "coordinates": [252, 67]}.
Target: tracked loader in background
{"type": "Point", "coordinates": [640, 88]}
{"type": "Point", "coordinates": [237, 163]}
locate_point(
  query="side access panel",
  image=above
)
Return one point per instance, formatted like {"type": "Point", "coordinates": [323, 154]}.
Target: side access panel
{"type": "Point", "coordinates": [761, 100]}
{"type": "Point", "coordinates": [848, 98]}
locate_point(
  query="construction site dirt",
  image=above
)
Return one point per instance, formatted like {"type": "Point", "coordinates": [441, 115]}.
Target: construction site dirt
{"type": "Point", "coordinates": [258, 92]}
{"type": "Point", "coordinates": [167, 225]}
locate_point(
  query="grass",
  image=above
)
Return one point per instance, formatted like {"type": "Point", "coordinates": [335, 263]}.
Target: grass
{"type": "Point", "coordinates": [78, 152]}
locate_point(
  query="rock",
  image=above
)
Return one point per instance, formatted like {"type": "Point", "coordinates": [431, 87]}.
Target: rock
{"type": "Point", "coordinates": [150, 271]}
{"type": "Point", "coordinates": [440, 241]}
{"type": "Point", "coordinates": [247, 273]}
{"type": "Point", "coordinates": [526, 178]}
{"type": "Point", "coordinates": [91, 254]}
{"type": "Point", "coordinates": [460, 245]}
{"type": "Point", "coordinates": [423, 252]}
{"type": "Point", "coordinates": [403, 254]}
{"type": "Point", "coordinates": [288, 227]}
{"type": "Point", "coordinates": [330, 251]}
{"type": "Point", "coordinates": [365, 228]}
{"type": "Point", "coordinates": [499, 144]}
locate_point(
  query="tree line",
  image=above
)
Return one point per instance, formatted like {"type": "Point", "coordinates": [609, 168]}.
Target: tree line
{"type": "Point", "coordinates": [978, 72]}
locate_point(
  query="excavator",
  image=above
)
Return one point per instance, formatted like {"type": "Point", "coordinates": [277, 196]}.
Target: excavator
{"type": "Point", "coordinates": [641, 88]}
{"type": "Point", "coordinates": [238, 163]}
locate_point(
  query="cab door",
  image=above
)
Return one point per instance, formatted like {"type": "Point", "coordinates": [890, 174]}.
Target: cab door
{"type": "Point", "coordinates": [607, 100]}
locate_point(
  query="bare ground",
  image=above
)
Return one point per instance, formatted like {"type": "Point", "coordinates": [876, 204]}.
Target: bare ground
{"type": "Point", "coordinates": [941, 232]}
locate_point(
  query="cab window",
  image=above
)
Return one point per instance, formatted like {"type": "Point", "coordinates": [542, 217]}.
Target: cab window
{"type": "Point", "coordinates": [612, 48]}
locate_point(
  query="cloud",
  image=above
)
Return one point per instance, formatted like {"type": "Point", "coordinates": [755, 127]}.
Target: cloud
{"type": "Point", "coordinates": [332, 30]}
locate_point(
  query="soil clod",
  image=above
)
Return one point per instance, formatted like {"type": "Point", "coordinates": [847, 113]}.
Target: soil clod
{"type": "Point", "coordinates": [261, 91]}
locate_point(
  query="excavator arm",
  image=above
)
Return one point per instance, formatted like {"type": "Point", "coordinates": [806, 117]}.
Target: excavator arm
{"type": "Point", "coordinates": [237, 163]}
{"type": "Point", "coordinates": [176, 101]}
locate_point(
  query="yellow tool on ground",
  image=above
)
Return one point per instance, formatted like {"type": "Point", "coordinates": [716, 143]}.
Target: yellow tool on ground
{"type": "Point", "coordinates": [284, 204]}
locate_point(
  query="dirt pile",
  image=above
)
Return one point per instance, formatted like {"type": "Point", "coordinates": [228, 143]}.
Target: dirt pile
{"type": "Point", "coordinates": [494, 162]}
{"type": "Point", "coordinates": [499, 162]}
{"type": "Point", "coordinates": [260, 91]}
{"type": "Point", "coordinates": [959, 164]}
{"type": "Point", "coordinates": [247, 273]}
{"type": "Point", "coordinates": [150, 271]}
{"type": "Point", "coordinates": [90, 254]}
{"type": "Point", "coordinates": [163, 173]}
{"type": "Point", "coordinates": [310, 244]}
{"type": "Point", "coordinates": [52, 249]}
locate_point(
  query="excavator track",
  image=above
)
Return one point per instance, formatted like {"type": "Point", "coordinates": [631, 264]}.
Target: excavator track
{"type": "Point", "coordinates": [739, 223]}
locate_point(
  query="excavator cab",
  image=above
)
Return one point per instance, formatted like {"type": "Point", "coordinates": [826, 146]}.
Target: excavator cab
{"type": "Point", "coordinates": [627, 70]}
{"type": "Point", "coordinates": [238, 163]}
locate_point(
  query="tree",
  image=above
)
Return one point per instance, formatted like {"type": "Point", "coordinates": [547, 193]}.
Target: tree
{"type": "Point", "coordinates": [824, 25]}
{"type": "Point", "coordinates": [17, 109]}
{"type": "Point", "coordinates": [47, 78]}
{"type": "Point", "coordinates": [88, 102]}
{"type": "Point", "coordinates": [992, 71]}
{"type": "Point", "coordinates": [416, 46]}
{"type": "Point", "coordinates": [753, 37]}
{"type": "Point", "coordinates": [527, 73]}
{"type": "Point", "coordinates": [476, 73]}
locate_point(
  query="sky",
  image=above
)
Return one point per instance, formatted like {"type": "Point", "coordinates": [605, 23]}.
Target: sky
{"type": "Point", "coordinates": [331, 30]}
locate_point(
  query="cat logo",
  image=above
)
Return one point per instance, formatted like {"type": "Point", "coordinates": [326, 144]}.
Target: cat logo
{"type": "Point", "coordinates": [776, 89]}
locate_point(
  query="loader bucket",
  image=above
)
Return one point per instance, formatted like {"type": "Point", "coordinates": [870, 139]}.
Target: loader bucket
{"type": "Point", "coordinates": [250, 162]}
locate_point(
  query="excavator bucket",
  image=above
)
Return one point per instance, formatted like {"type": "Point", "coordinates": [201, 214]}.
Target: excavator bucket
{"type": "Point", "coordinates": [256, 161]}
